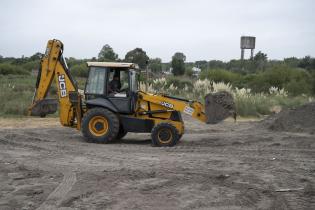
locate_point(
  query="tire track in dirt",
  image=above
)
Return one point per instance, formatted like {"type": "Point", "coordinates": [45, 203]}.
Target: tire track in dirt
{"type": "Point", "coordinates": [56, 197]}
{"type": "Point", "coordinates": [238, 151]}
{"type": "Point", "coordinates": [6, 141]}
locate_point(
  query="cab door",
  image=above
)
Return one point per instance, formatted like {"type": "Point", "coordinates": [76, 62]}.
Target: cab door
{"type": "Point", "coordinates": [120, 97]}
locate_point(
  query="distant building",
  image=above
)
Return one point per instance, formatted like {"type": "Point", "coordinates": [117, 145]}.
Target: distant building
{"type": "Point", "coordinates": [168, 71]}
{"type": "Point", "coordinates": [196, 71]}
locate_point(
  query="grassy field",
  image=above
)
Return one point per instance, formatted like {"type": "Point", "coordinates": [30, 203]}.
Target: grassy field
{"type": "Point", "coordinates": [17, 93]}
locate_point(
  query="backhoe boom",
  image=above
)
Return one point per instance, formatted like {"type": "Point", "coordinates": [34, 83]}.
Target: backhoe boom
{"type": "Point", "coordinates": [52, 67]}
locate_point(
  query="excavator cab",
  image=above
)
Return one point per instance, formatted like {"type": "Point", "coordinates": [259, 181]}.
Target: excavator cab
{"type": "Point", "coordinates": [113, 85]}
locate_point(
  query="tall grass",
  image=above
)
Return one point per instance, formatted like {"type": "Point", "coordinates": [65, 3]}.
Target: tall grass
{"type": "Point", "coordinates": [16, 94]}
{"type": "Point", "coordinates": [248, 103]}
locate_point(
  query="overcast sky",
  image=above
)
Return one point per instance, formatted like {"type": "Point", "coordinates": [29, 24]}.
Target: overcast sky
{"type": "Point", "coordinates": [201, 29]}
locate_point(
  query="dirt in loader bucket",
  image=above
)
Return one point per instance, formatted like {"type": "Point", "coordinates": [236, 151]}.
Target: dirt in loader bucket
{"type": "Point", "coordinates": [219, 106]}
{"type": "Point", "coordinates": [43, 107]}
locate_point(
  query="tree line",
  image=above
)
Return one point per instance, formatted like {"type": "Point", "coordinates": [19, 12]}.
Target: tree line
{"type": "Point", "coordinates": [178, 64]}
{"type": "Point", "coordinates": [259, 73]}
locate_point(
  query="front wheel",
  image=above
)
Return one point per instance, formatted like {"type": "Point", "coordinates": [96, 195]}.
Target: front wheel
{"type": "Point", "coordinates": [100, 125]}
{"type": "Point", "coordinates": [164, 134]}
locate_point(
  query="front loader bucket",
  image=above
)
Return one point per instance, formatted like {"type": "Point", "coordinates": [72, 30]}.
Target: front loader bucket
{"type": "Point", "coordinates": [43, 107]}
{"type": "Point", "coordinates": [219, 106]}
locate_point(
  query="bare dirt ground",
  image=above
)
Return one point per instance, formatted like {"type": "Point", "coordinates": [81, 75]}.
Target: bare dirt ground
{"type": "Point", "coordinates": [225, 166]}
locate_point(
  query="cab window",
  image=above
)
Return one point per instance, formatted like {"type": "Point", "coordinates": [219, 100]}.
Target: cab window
{"type": "Point", "coordinates": [118, 83]}
{"type": "Point", "coordinates": [96, 81]}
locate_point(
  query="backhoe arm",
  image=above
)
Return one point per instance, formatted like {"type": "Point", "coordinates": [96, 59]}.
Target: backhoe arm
{"type": "Point", "coordinates": [52, 67]}
{"type": "Point", "coordinates": [192, 108]}
{"type": "Point", "coordinates": [217, 106]}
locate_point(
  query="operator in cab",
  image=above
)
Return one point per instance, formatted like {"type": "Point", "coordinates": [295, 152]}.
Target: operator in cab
{"type": "Point", "coordinates": [115, 85]}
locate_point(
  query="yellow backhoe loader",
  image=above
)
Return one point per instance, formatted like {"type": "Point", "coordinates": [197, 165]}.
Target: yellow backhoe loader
{"type": "Point", "coordinates": [113, 105]}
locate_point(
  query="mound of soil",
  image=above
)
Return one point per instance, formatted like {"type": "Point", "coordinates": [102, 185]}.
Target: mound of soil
{"type": "Point", "coordinates": [300, 119]}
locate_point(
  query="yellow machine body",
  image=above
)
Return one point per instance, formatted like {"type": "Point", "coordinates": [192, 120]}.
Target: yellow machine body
{"type": "Point", "coordinates": [96, 116]}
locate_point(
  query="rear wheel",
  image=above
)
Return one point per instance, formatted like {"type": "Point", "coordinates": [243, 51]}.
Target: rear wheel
{"type": "Point", "coordinates": [100, 125]}
{"type": "Point", "coordinates": [164, 134]}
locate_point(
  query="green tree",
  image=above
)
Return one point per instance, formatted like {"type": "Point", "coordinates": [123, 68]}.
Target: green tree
{"type": "Point", "coordinates": [292, 62]}
{"type": "Point", "coordinates": [234, 65]}
{"type": "Point", "coordinates": [307, 63]}
{"type": "Point", "coordinates": [201, 64]}
{"type": "Point", "coordinates": [178, 63]}
{"type": "Point", "coordinates": [216, 64]}
{"type": "Point", "coordinates": [107, 54]}
{"type": "Point", "coordinates": [138, 56]}
{"type": "Point", "coordinates": [36, 56]}
{"type": "Point", "coordinates": [71, 61]}
{"type": "Point", "coordinates": [20, 61]}
{"type": "Point", "coordinates": [260, 61]}
{"type": "Point", "coordinates": [155, 65]}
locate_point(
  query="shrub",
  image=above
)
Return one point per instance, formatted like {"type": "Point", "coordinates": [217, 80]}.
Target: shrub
{"type": "Point", "coordinates": [79, 70]}
{"type": "Point", "coordinates": [281, 76]}
{"type": "Point", "coordinates": [32, 65]}
{"type": "Point", "coordinates": [189, 72]}
{"type": "Point", "coordinates": [179, 82]}
{"type": "Point", "coordinates": [220, 75]}
{"type": "Point", "coordinates": [6, 69]}
{"type": "Point", "coordinates": [298, 87]}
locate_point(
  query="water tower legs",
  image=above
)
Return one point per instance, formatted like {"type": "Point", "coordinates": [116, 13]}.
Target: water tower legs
{"type": "Point", "coordinates": [242, 54]}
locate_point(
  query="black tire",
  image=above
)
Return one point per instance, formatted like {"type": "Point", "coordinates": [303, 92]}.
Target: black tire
{"type": "Point", "coordinates": [164, 135]}
{"type": "Point", "coordinates": [121, 133]}
{"type": "Point", "coordinates": [100, 132]}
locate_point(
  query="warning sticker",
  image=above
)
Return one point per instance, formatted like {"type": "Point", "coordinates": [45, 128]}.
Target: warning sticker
{"type": "Point", "coordinates": [189, 110]}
